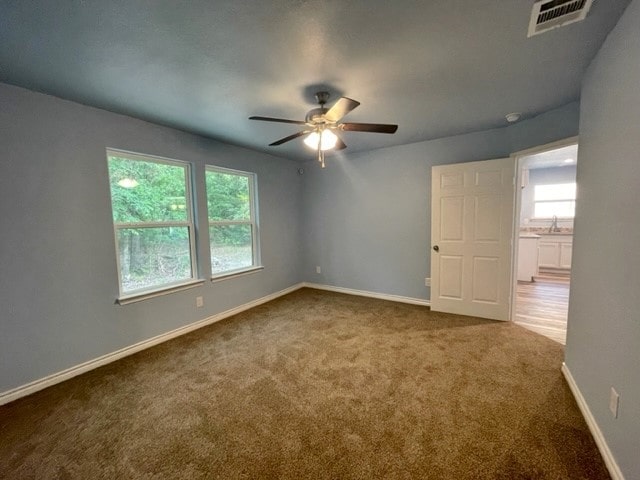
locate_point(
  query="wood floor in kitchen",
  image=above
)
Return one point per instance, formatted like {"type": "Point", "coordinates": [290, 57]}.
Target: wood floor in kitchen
{"type": "Point", "coordinates": [542, 305]}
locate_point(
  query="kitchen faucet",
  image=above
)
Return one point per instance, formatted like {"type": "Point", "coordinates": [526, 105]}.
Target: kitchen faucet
{"type": "Point", "coordinates": [554, 224]}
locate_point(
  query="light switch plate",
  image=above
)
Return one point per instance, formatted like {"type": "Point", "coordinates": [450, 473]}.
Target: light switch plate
{"type": "Point", "coordinates": [614, 401]}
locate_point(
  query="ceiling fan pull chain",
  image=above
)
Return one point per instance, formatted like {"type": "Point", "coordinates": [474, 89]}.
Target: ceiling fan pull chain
{"type": "Point", "coordinates": [319, 148]}
{"type": "Point", "coordinates": [320, 131]}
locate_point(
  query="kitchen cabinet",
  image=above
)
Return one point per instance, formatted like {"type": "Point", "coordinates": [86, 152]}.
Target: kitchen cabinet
{"type": "Point", "coordinates": [527, 257]}
{"type": "Point", "coordinates": [554, 251]}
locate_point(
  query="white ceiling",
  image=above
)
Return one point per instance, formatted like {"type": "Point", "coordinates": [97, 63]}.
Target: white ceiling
{"type": "Point", "coordinates": [560, 157]}
{"type": "Point", "coordinates": [435, 68]}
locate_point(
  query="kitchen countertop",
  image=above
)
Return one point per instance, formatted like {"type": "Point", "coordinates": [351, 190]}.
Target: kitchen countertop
{"type": "Point", "coordinates": [529, 235]}
{"type": "Point", "coordinates": [545, 231]}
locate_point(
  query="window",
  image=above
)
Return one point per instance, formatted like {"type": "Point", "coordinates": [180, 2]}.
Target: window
{"type": "Point", "coordinates": [153, 222]}
{"type": "Point", "coordinates": [233, 226]}
{"type": "Point", "coordinates": [558, 200]}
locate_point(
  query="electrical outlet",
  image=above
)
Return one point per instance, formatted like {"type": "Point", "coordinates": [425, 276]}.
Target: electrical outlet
{"type": "Point", "coordinates": [199, 302]}
{"type": "Point", "coordinates": [614, 401]}
{"type": "Point", "coordinates": [427, 282]}
{"type": "Point", "coordinates": [318, 269]}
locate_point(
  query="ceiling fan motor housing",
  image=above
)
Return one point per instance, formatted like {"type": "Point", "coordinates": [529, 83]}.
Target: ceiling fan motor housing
{"type": "Point", "coordinates": [322, 97]}
{"type": "Point", "coordinates": [316, 116]}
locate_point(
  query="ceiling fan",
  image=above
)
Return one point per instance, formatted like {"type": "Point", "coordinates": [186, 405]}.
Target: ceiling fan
{"type": "Point", "coordinates": [321, 125]}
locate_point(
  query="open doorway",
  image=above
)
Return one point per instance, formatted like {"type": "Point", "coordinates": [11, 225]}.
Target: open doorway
{"type": "Point", "coordinates": [545, 210]}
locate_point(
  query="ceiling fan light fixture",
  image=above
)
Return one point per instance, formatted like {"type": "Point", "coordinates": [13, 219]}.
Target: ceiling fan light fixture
{"type": "Point", "coordinates": [327, 140]}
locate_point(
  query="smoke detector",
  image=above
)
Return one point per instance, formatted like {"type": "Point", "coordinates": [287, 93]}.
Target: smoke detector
{"type": "Point", "coordinates": [549, 14]}
{"type": "Point", "coordinates": [512, 117]}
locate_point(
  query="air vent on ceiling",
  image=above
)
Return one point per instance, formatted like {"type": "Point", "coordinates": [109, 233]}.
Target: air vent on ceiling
{"type": "Point", "coordinates": [549, 14]}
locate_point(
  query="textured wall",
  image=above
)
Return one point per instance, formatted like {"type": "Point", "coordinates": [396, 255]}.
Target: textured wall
{"type": "Point", "coordinates": [368, 216]}
{"type": "Point", "coordinates": [603, 343]}
{"type": "Point", "coordinates": [548, 127]}
{"type": "Point", "coordinates": [58, 281]}
{"type": "Point", "coordinates": [367, 219]}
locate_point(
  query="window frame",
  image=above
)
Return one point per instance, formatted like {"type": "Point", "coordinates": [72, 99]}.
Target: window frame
{"type": "Point", "coordinates": [555, 200]}
{"type": "Point", "coordinates": [253, 221]}
{"type": "Point", "coordinates": [156, 290]}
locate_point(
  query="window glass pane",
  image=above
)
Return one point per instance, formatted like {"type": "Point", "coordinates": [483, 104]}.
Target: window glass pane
{"type": "Point", "coordinates": [560, 191]}
{"type": "Point", "coordinates": [147, 191]}
{"type": "Point", "coordinates": [151, 257]}
{"type": "Point", "coordinates": [230, 247]}
{"type": "Point", "coordinates": [228, 196]}
{"type": "Point", "coordinates": [559, 209]}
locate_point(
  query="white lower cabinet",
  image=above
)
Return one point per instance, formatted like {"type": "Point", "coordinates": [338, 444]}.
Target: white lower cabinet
{"type": "Point", "coordinates": [527, 257]}
{"type": "Point", "coordinates": [565, 255]}
{"type": "Point", "coordinates": [554, 251]}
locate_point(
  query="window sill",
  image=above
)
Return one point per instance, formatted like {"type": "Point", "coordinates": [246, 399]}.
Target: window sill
{"type": "Point", "coordinates": [236, 273]}
{"type": "Point", "coordinates": [139, 297]}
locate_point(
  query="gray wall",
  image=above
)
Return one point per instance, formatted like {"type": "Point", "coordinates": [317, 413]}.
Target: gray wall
{"type": "Point", "coordinates": [555, 124]}
{"type": "Point", "coordinates": [58, 279]}
{"type": "Point", "coordinates": [368, 216]}
{"type": "Point", "coordinates": [603, 341]}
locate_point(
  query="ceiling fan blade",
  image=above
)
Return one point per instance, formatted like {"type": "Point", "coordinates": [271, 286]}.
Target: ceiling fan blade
{"type": "Point", "coordinates": [369, 127]}
{"type": "Point", "coordinates": [343, 106]}
{"type": "Point", "coordinates": [340, 145]}
{"type": "Point", "coordinates": [287, 139]}
{"type": "Point", "coordinates": [279, 120]}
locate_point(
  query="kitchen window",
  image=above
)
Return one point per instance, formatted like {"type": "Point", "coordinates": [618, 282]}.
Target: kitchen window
{"type": "Point", "coordinates": [555, 200]}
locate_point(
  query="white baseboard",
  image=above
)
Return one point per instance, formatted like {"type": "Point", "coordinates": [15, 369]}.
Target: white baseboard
{"type": "Point", "coordinates": [364, 293]}
{"type": "Point", "coordinates": [609, 460]}
{"type": "Point", "coordinates": [32, 387]}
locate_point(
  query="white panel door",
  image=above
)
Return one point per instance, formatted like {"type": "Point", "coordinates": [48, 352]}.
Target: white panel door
{"type": "Point", "coordinates": [471, 231]}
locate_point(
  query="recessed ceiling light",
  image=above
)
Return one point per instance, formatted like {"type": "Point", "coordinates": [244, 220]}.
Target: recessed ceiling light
{"type": "Point", "coordinates": [569, 160]}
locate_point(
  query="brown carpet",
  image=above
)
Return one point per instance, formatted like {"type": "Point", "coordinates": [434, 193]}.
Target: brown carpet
{"type": "Point", "coordinates": [314, 385]}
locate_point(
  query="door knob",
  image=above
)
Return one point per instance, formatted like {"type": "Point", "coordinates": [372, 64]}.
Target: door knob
{"type": "Point", "coordinates": [436, 248]}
